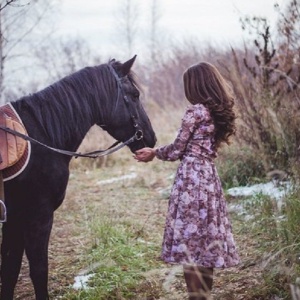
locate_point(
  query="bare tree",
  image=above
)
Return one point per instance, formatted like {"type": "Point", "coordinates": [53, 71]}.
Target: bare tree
{"type": "Point", "coordinates": [127, 18]}
{"type": "Point", "coordinates": [64, 57]}
{"type": "Point", "coordinates": [155, 16]}
{"type": "Point", "coordinates": [21, 31]}
{"type": "Point", "coordinates": [7, 3]}
{"type": "Point", "coordinates": [266, 81]}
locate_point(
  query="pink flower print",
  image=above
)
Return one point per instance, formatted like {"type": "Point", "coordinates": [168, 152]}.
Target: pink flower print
{"type": "Point", "coordinates": [219, 262]}
{"type": "Point", "coordinates": [203, 213]}
{"type": "Point", "coordinates": [186, 198]}
{"type": "Point", "coordinates": [181, 248]}
{"type": "Point", "coordinates": [212, 229]}
{"type": "Point", "coordinates": [222, 229]}
{"type": "Point", "coordinates": [191, 228]}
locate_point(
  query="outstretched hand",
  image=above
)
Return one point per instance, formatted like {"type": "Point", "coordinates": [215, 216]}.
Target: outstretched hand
{"type": "Point", "coordinates": [145, 154]}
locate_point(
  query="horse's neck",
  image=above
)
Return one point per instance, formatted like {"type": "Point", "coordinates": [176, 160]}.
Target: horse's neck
{"type": "Point", "coordinates": [56, 131]}
{"type": "Point", "coordinates": [77, 136]}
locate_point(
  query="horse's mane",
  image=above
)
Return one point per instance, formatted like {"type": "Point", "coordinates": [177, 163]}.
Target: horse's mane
{"type": "Point", "coordinates": [72, 102]}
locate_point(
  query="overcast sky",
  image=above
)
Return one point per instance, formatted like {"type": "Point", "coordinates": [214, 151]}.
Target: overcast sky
{"type": "Point", "coordinates": [216, 21]}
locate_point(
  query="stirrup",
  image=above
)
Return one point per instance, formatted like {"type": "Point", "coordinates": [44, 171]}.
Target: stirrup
{"type": "Point", "coordinates": [2, 212]}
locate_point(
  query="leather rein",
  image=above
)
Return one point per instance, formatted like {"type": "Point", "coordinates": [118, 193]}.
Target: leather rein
{"type": "Point", "coordinates": [98, 153]}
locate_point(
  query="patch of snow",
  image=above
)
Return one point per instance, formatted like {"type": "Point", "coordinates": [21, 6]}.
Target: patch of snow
{"type": "Point", "coordinates": [81, 281]}
{"type": "Point", "coordinates": [269, 189]}
{"type": "Point", "coordinates": [239, 209]}
{"type": "Point", "coordinates": [116, 179]}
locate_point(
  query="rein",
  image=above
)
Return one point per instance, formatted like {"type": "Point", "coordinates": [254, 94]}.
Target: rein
{"type": "Point", "coordinates": [98, 153]}
{"type": "Point", "coordinates": [94, 154]}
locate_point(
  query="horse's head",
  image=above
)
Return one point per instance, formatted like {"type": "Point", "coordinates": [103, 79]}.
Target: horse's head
{"type": "Point", "coordinates": [128, 117]}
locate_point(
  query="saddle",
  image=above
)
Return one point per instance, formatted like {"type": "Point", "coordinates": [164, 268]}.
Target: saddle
{"type": "Point", "coordinates": [12, 149]}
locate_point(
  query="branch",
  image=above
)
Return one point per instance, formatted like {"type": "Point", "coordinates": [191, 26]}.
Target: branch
{"type": "Point", "coordinates": [291, 83]}
{"type": "Point", "coordinates": [10, 2]}
{"type": "Point", "coordinates": [6, 4]}
{"type": "Point", "coordinates": [288, 78]}
{"type": "Point", "coordinates": [29, 30]}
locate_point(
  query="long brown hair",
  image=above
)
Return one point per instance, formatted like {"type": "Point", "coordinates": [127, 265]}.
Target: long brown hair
{"type": "Point", "coordinates": [204, 84]}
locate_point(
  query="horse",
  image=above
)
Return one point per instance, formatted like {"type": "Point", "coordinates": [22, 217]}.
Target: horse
{"type": "Point", "coordinates": [59, 116]}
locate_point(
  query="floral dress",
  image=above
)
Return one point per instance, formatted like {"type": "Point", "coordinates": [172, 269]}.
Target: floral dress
{"type": "Point", "coordinates": [197, 228]}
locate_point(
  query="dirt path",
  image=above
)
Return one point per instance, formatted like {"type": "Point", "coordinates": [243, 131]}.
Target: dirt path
{"type": "Point", "coordinates": [142, 198]}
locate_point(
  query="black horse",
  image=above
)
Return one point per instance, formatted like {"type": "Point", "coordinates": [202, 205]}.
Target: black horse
{"type": "Point", "coordinates": [60, 116]}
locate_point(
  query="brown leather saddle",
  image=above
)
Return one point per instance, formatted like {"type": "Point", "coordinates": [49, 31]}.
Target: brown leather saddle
{"type": "Point", "coordinates": [12, 149]}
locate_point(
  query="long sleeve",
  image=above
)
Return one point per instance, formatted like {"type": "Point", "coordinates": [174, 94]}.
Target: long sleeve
{"type": "Point", "coordinates": [176, 149]}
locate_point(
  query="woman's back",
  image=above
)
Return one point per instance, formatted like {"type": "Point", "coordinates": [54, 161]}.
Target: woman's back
{"type": "Point", "coordinates": [202, 140]}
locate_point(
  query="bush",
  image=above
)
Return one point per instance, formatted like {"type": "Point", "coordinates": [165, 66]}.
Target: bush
{"type": "Point", "coordinates": [239, 167]}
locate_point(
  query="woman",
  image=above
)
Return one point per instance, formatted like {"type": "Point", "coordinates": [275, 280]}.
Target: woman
{"type": "Point", "coordinates": [197, 232]}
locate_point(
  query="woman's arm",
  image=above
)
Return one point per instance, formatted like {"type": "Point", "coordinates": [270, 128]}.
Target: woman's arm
{"type": "Point", "coordinates": [176, 149]}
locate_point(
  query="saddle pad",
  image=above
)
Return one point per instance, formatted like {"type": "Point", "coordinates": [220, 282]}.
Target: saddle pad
{"type": "Point", "coordinates": [18, 167]}
{"type": "Point", "coordinates": [12, 147]}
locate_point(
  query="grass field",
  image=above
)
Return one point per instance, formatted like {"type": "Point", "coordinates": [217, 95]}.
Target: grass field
{"type": "Point", "coordinates": [112, 227]}
{"type": "Point", "coordinates": [111, 224]}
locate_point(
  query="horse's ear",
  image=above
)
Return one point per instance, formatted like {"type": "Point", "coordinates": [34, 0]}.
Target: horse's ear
{"type": "Point", "coordinates": [127, 66]}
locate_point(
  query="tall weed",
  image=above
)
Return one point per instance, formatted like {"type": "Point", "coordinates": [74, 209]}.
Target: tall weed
{"type": "Point", "coordinates": [239, 166]}
{"type": "Point", "coordinates": [278, 234]}
{"type": "Point", "coordinates": [291, 223]}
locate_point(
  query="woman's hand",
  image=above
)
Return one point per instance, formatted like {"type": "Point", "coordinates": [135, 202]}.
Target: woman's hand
{"type": "Point", "coordinates": [145, 154]}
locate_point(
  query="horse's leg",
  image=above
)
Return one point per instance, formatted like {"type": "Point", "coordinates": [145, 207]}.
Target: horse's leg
{"type": "Point", "coordinates": [36, 247]}
{"type": "Point", "coordinates": [12, 249]}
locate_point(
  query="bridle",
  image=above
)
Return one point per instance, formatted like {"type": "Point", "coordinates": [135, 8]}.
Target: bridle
{"type": "Point", "coordinates": [138, 135]}
{"type": "Point", "coordinates": [138, 129]}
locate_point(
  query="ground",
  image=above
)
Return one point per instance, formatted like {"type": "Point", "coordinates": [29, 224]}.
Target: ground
{"type": "Point", "coordinates": [138, 193]}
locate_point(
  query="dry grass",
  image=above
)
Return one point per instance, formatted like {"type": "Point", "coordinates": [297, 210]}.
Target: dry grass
{"type": "Point", "coordinates": [140, 203]}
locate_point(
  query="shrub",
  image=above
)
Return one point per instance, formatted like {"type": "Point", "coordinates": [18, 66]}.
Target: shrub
{"type": "Point", "coordinates": [239, 167]}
